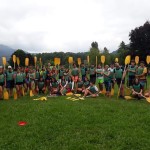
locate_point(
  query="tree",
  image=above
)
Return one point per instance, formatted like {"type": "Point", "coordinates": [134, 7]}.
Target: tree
{"type": "Point", "coordinates": [122, 51]}
{"type": "Point", "coordinates": [140, 41]}
{"type": "Point", "coordinates": [21, 54]}
{"type": "Point", "coordinates": [94, 51]}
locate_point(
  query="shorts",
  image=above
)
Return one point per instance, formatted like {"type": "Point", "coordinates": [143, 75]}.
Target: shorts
{"type": "Point", "coordinates": [10, 84]}
{"type": "Point", "coordinates": [1, 84]}
{"type": "Point", "coordinates": [118, 80]}
{"type": "Point", "coordinates": [75, 78]}
{"type": "Point", "coordinates": [142, 82]}
{"type": "Point", "coordinates": [100, 81]}
{"type": "Point", "coordinates": [19, 83]}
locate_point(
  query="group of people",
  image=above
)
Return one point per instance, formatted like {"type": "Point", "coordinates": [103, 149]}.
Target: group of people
{"type": "Point", "coordinates": [86, 80]}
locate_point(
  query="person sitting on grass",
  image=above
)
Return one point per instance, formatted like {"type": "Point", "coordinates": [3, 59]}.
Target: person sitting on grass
{"type": "Point", "coordinates": [54, 87]}
{"type": "Point", "coordinates": [41, 87]}
{"type": "Point", "coordinates": [63, 84]}
{"type": "Point", "coordinates": [91, 91]}
{"type": "Point", "coordinates": [79, 87]}
{"type": "Point", "coordinates": [86, 84]}
{"type": "Point", "coordinates": [137, 89]}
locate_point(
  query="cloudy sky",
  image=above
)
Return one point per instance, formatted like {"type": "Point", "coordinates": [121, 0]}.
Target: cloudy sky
{"type": "Point", "coordinates": [69, 25]}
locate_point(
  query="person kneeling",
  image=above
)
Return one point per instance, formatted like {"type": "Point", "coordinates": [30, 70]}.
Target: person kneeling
{"type": "Point", "coordinates": [41, 87]}
{"type": "Point", "coordinates": [137, 89]}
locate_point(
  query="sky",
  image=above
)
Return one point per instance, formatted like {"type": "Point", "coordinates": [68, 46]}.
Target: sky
{"type": "Point", "coordinates": [69, 25]}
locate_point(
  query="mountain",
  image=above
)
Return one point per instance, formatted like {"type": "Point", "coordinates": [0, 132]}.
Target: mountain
{"type": "Point", "coordinates": [5, 51]}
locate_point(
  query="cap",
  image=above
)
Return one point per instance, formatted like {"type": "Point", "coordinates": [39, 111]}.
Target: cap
{"type": "Point", "coordinates": [9, 67]}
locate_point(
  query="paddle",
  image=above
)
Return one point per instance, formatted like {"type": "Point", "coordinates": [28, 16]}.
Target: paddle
{"type": "Point", "coordinates": [18, 61]}
{"type": "Point", "coordinates": [147, 98]}
{"type": "Point", "coordinates": [116, 60]}
{"type": "Point", "coordinates": [6, 94]}
{"type": "Point", "coordinates": [14, 60]}
{"type": "Point", "coordinates": [79, 62]}
{"type": "Point", "coordinates": [70, 60]}
{"type": "Point", "coordinates": [103, 61]}
{"type": "Point", "coordinates": [127, 61]}
{"type": "Point", "coordinates": [136, 60]}
{"type": "Point", "coordinates": [4, 62]}
{"type": "Point", "coordinates": [35, 61]}
{"type": "Point", "coordinates": [26, 62]}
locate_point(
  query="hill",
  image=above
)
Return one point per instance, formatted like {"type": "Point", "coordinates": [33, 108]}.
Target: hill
{"type": "Point", "coordinates": [5, 51]}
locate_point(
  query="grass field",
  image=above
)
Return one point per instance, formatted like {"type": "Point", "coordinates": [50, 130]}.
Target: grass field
{"type": "Point", "coordinates": [58, 123]}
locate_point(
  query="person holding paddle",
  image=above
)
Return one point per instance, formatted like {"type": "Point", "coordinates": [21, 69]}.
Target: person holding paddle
{"type": "Point", "coordinates": [141, 74]}
{"type": "Point", "coordinates": [2, 82]}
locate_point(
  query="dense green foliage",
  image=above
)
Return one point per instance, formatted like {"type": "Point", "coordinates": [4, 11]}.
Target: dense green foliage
{"type": "Point", "coordinates": [140, 41]}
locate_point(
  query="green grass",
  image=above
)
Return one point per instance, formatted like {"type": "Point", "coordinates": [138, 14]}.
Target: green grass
{"type": "Point", "coordinates": [58, 123]}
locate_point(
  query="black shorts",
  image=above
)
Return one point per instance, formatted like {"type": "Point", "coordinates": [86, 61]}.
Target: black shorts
{"type": "Point", "coordinates": [10, 84]}
{"type": "Point", "coordinates": [19, 83]}
{"type": "Point", "coordinates": [2, 84]}
{"type": "Point", "coordinates": [118, 80]}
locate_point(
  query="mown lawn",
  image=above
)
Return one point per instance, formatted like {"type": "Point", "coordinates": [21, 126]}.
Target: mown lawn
{"type": "Point", "coordinates": [58, 123]}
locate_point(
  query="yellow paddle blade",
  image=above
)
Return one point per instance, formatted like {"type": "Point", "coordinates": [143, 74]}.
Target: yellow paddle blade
{"type": "Point", "coordinates": [79, 61]}
{"type": "Point", "coordinates": [35, 60]}
{"type": "Point", "coordinates": [69, 94]}
{"type": "Point", "coordinates": [40, 60]}
{"type": "Point", "coordinates": [136, 59]}
{"type": "Point", "coordinates": [78, 95]}
{"type": "Point", "coordinates": [127, 91]}
{"type": "Point", "coordinates": [112, 92]}
{"type": "Point", "coordinates": [128, 97]}
{"type": "Point", "coordinates": [15, 96]}
{"type": "Point", "coordinates": [104, 91]}
{"type": "Point", "coordinates": [23, 92]}
{"type": "Point", "coordinates": [102, 59]}
{"type": "Point", "coordinates": [6, 94]}
{"type": "Point", "coordinates": [18, 61]}
{"type": "Point", "coordinates": [148, 59]}
{"type": "Point", "coordinates": [31, 93]}
{"type": "Point", "coordinates": [148, 99]}
{"type": "Point", "coordinates": [70, 60]}
{"type": "Point", "coordinates": [116, 60]}
{"type": "Point", "coordinates": [26, 61]}
{"type": "Point", "coordinates": [88, 59]}
{"type": "Point", "coordinates": [14, 58]}
{"type": "Point", "coordinates": [4, 61]}
{"type": "Point", "coordinates": [127, 60]}
{"type": "Point", "coordinates": [57, 61]}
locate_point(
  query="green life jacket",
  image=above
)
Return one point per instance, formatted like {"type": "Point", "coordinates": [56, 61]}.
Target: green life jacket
{"type": "Point", "coordinates": [83, 71]}
{"type": "Point", "coordinates": [61, 73]}
{"type": "Point", "coordinates": [98, 72]}
{"type": "Point", "coordinates": [44, 74]}
{"type": "Point", "coordinates": [140, 71]}
{"type": "Point", "coordinates": [31, 75]}
{"type": "Point", "coordinates": [75, 72]}
{"type": "Point", "coordinates": [137, 87]}
{"type": "Point", "coordinates": [118, 73]}
{"type": "Point", "coordinates": [41, 85]}
{"type": "Point", "coordinates": [2, 78]}
{"type": "Point", "coordinates": [24, 75]}
{"type": "Point", "coordinates": [106, 78]}
{"type": "Point", "coordinates": [80, 84]}
{"type": "Point", "coordinates": [86, 84]}
{"type": "Point", "coordinates": [19, 77]}
{"type": "Point", "coordinates": [92, 71]}
{"type": "Point", "coordinates": [70, 85]}
{"type": "Point", "coordinates": [37, 75]}
{"type": "Point", "coordinates": [9, 76]}
{"type": "Point", "coordinates": [132, 68]}
{"type": "Point", "coordinates": [55, 84]}
{"type": "Point", "coordinates": [63, 82]}
{"type": "Point", "coordinates": [92, 89]}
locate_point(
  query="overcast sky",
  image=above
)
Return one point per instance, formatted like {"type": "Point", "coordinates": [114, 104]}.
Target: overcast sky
{"type": "Point", "coordinates": [69, 25]}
